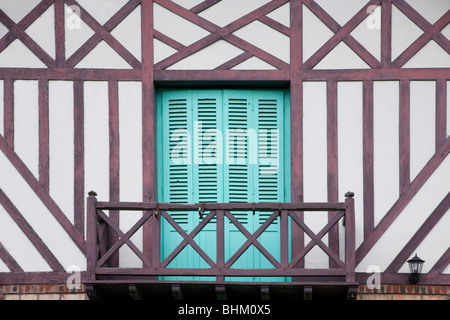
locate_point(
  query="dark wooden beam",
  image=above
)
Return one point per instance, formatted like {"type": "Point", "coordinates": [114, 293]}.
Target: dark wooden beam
{"type": "Point", "coordinates": [332, 163]}
{"type": "Point", "coordinates": [296, 125]}
{"type": "Point", "coordinates": [49, 203]}
{"type": "Point", "coordinates": [307, 293]}
{"type": "Point", "coordinates": [402, 202]}
{"type": "Point", "coordinates": [404, 136]}
{"type": "Point", "coordinates": [79, 192]}
{"type": "Point", "coordinates": [106, 36]}
{"type": "Point", "coordinates": [177, 292]}
{"type": "Point", "coordinates": [29, 232]}
{"type": "Point", "coordinates": [114, 161]}
{"type": "Point", "coordinates": [60, 37]}
{"type": "Point", "coordinates": [265, 293]}
{"type": "Point", "coordinates": [44, 157]}
{"type": "Point", "coordinates": [368, 157]}
{"type": "Point", "coordinates": [9, 260]}
{"type": "Point", "coordinates": [386, 33]}
{"type": "Point", "coordinates": [221, 292]}
{"type": "Point", "coordinates": [135, 291]}
{"type": "Point", "coordinates": [420, 235]}
{"type": "Point", "coordinates": [8, 112]}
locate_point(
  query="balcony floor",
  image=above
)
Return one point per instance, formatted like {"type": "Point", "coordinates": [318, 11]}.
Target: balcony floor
{"type": "Point", "coordinates": [211, 291]}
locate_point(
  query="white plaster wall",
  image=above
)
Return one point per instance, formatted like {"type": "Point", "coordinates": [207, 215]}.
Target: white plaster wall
{"type": "Point", "coordinates": [315, 164]}
{"type": "Point", "coordinates": [1, 108]}
{"type": "Point", "coordinates": [423, 111]}
{"type": "Point", "coordinates": [350, 149]}
{"type": "Point", "coordinates": [26, 123]}
{"type": "Point", "coordinates": [130, 128]}
{"type": "Point", "coordinates": [96, 138]}
{"type": "Point", "coordinates": [386, 147]}
{"type": "Point", "coordinates": [408, 222]}
{"type": "Point", "coordinates": [61, 145]}
{"type": "Point", "coordinates": [40, 219]}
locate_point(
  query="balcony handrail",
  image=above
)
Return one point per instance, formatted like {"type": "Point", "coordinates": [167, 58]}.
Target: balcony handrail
{"type": "Point", "coordinates": [99, 226]}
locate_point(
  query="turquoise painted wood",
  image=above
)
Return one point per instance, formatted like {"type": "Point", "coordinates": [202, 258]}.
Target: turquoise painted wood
{"type": "Point", "coordinates": [222, 146]}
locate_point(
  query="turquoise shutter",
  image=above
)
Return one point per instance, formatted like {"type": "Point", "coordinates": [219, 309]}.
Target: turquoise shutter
{"type": "Point", "coordinates": [269, 175]}
{"type": "Point", "coordinates": [238, 174]}
{"type": "Point", "coordinates": [208, 165]}
{"type": "Point", "coordinates": [178, 173]}
{"type": "Point", "coordinates": [222, 146]}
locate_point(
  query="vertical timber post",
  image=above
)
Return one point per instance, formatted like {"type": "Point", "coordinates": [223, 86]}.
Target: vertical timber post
{"type": "Point", "coordinates": [349, 237]}
{"type": "Point", "coordinates": [91, 236]}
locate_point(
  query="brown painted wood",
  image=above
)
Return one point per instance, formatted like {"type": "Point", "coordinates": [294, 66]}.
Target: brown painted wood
{"type": "Point", "coordinates": [79, 192]}
{"type": "Point", "coordinates": [91, 236]}
{"type": "Point", "coordinates": [220, 241]}
{"type": "Point", "coordinates": [442, 263]}
{"type": "Point", "coordinates": [44, 157]}
{"type": "Point", "coordinates": [441, 113]}
{"type": "Point", "coordinates": [124, 238]}
{"type": "Point", "coordinates": [167, 40]}
{"type": "Point", "coordinates": [202, 6]}
{"type": "Point", "coordinates": [106, 36]}
{"type": "Point", "coordinates": [423, 23]}
{"type": "Point", "coordinates": [404, 138]}
{"type": "Point", "coordinates": [386, 33]}
{"type": "Point", "coordinates": [60, 37]}
{"type": "Point", "coordinates": [26, 39]}
{"type": "Point", "coordinates": [114, 160]}
{"type": "Point", "coordinates": [424, 39]}
{"type": "Point", "coordinates": [50, 204]}
{"type": "Point", "coordinates": [341, 34]}
{"type": "Point", "coordinates": [268, 206]}
{"type": "Point", "coordinates": [235, 61]}
{"type": "Point", "coordinates": [420, 235]}
{"type": "Point", "coordinates": [29, 232]}
{"type": "Point", "coordinates": [402, 202]}
{"type": "Point", "coordinates": [70, 74]}
{"type": "Point", "coordinates": [350, 238]}
{"type": "Point", "coordinates": [96, 38]}
{"type": "Point", "coordinates": [392, 74]}
{"type": "Point", "coordinates": [221, 75]}
{"type": "Point", "coordinates": [368, 156]}
{"type": "Point", "coordinates": [23, 24]}
{"type": "Point", "coordinates": [218, 33]}
{"type": "Point", "coordinates": [8, 111]}
{"type": "Point", "coordinates": [296, 97]}
{"type": "Point", "coordinates": [9, 260]}
{"type": "Point", "coordinates": [275, 25]}
{"type": "Point", "coordinates": [151, 232]}
{"type": "Point", "coordinates": [332, 162]}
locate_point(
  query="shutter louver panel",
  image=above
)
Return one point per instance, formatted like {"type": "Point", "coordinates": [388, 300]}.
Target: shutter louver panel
{"type": "Point", "coordinates": [270, 188]}
{"type": "Point", "coordinates": [238, 117]}
{"type": "Point", "coordinates": [177, 154]}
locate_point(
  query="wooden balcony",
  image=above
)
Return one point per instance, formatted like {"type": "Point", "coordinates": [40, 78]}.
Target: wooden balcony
{"type": "Point", "coordinates": [106, 279]}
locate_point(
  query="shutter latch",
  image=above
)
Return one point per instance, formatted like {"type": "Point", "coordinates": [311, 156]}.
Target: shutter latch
{"type": "Point", "coordinates": [201, 210]}
{"type": "Point", "coordinates": [157, 211]}
{"type": "Point", "coordinates": [253, 208]}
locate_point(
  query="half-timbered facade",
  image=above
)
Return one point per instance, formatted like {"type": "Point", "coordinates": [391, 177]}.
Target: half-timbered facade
{"type": "Point", "coordinates": [283, 147]}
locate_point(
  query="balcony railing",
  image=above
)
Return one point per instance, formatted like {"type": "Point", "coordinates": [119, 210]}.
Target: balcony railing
{"type": "Point", "coordinates": [105, 238]}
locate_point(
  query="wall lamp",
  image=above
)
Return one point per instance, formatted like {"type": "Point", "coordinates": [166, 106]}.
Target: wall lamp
{"type": "Point", "coordinates": [415, 269]}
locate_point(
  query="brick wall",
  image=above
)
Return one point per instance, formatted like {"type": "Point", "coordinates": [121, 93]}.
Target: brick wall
{"type": "Point", "coordinates": [404, 292]}
{"type": "Point", "coordinates": [41, 292]}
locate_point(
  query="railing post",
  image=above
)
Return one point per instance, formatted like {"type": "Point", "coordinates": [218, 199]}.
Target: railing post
{"type": "Point", "coordinates": [91, 235]}
{"type": "Point", "coordinates": [220, 225]}
{"type": "Point", "coordinates": [350, 246]}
